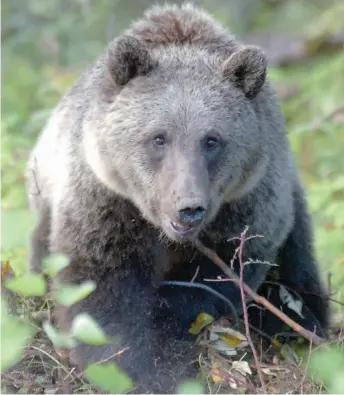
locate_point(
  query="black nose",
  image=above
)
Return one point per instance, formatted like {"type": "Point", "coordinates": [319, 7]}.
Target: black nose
{"type": "Point", "coordinates": [192, 215]}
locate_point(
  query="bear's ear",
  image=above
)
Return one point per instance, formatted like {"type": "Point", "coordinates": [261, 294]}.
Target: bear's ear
{"type": "Point", "coordinates": [247, 69]}
{"type": "Point", "coordinates": [128, 58]}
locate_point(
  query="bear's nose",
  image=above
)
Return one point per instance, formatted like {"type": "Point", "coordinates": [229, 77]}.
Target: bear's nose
{"type": "Point", "coordinates": [191, 216]}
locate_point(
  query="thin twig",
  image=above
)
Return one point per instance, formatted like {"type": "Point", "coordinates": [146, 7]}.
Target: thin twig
{"type": "Point", "coordinates": [58, 363]}
{"type": "Point", "coordinates": [306, 368]}
{"type": "Point", "coordinates": [114, 355]}
{"type": "Point", "coordinates": [257, 298]}
{"type": "Point", "coordinates": [218, 280]}
{"type": "Point", "coordinates": [65, 385]}
{"type": "Point", "coordinates": [243, 300]}
{"type": "Point", "coordinates": [295, 289]}
{"type": "Point", "coordinates": [195, 275]}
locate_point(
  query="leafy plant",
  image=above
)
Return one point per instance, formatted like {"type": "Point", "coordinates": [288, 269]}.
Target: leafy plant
{"type": "Point", "coordinates": [109, 377]}
{"type": "Point", "coordinates": [16, 334]}
{"type": "Point", "coordinates": [190, 387]}
{"type": "Point", "coordinates": [327, 365]}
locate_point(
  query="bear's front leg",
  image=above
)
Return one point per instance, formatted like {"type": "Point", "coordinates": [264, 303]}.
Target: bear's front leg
{"type": "Point", "coordinates": [182, 304]}
{"type": "Point", "coordinates": [123, 308]}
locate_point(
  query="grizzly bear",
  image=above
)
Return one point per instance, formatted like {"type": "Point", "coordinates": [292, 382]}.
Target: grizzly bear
{"type": "Point", "coordinates": [173, 134]}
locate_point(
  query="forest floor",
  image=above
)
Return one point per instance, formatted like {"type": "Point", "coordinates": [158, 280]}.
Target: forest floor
{"type": "Point", "coordinates": [284, 367]}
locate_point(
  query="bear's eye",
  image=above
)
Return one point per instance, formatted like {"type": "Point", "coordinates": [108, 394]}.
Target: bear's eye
{"type": "Point", "coordinates": [211, 142]}
{"type": "Point", "coordinates": [160, 141]}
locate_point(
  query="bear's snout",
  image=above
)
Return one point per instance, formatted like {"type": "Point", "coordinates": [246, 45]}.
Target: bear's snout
{"type": "Point", "coordinates": [186, 220]}
{"type": "Point", "coordinates": [190, 212]}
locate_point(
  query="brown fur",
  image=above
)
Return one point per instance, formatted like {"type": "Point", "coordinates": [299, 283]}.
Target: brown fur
{"type": "Point", "coordinates": [109, 193]}
{"type": "Point", "coordinates": [191, 27]}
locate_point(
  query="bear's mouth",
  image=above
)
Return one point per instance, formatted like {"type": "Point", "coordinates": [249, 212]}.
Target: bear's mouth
{"type": "Point", "coordinates": [178, 231]}
{"type": "Point", "coordinates": [182, 229]}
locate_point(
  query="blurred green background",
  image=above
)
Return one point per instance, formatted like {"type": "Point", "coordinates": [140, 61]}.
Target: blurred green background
{"type": "Point", "coordinates": [46, 44]}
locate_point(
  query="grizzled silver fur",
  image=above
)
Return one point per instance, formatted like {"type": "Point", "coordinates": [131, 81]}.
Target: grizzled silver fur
{"type": "Point", "coordinates": [106, 192]}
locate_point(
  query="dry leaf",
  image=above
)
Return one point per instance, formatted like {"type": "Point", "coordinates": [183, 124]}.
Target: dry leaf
{"type": "Point", "coordinates": [216, 376]}
{"type": "Point", "coordinates": [223, 329]}
{"type": "Point", "coordinates": [232, 338]}
{"type": "Point", "coordinates": [216, 371]}
{"type": "Point", "coordinates": [223, 339]}
{"type": "Point", "coordinates": [268, 372]}
{"type": "Point", "coordinates": [232, 341]}
{"type": "Point", "coordinates": [271, 371]}
{"type": "Point", "coordinates": [242, 367]}
{"type": "Point", "coordinates": [221, 346]}
{"type": "Point", "coordinates": [202, 320]}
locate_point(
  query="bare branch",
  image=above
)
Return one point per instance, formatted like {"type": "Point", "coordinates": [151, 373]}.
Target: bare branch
{"type": "Point", "coordinates": [243, 300]}
{"type": "Point", "coordinates": [312, 337]}
{"type": "Point", "coordinates": [195, 275]}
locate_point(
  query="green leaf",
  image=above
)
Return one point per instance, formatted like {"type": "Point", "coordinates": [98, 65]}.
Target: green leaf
{"type": "Point", "coordinates": [15, 334]}
{"type": "Point", "coordinates": [30, 284]}
{"type": "Point", "coordinates": [190, 387]}
{"type": "Point", "coordinates": [202, 320]}
{"type": "Point", "coordinates": [327, 365]}
{"type": "Point", "coordinates": [109, 378]}
{"type": "Point", "coordinates": [85, 329]}
{"type": "Point", "coordinates": [54, 264]}
{"type": "Point", "coordinates": [71, 293]}
{"type": "Point", "coordinates": [58, 339]}
{"type": "Point", "coordinates": [337, 384]}
{"type": "Point", "coordinates": [15, 228]}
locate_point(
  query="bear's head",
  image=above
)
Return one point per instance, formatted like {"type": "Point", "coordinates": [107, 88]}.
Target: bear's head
{"type": "Point", "coordinates": [177, 130]}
